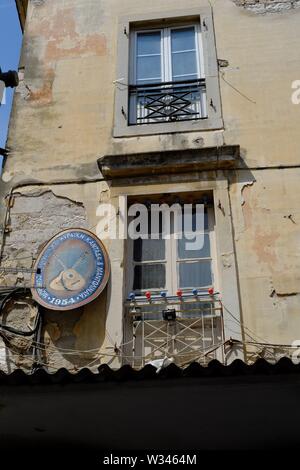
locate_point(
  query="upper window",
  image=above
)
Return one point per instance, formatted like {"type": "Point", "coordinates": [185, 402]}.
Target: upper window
{"type": "Point", "coordinates": [167, 75]}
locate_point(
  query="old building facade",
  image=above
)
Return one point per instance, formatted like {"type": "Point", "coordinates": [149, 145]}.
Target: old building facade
{"type": "Point", "coordinates": [156, 102]}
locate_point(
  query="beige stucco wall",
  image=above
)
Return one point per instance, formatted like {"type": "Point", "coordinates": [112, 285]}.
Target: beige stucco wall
{"type": "Point", "coordinates": [63, 118]}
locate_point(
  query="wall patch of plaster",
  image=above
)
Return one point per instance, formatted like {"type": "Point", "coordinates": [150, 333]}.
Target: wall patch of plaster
{"type": "Point", "coordinates": [286, 284]}
{"type": "Point", "coordinates": [227, 260]}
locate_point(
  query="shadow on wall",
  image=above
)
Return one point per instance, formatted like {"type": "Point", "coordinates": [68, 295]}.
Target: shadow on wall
{"type": "Point", "coordinates": [74, 338]}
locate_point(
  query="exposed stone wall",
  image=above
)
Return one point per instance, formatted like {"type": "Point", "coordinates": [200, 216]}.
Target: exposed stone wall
{"type": "Point", "coordinates": [35, 217]}
{"type": "Point", "coordinates": [268, 6]}
{"type": "Point", "coordinates": [21, 314]}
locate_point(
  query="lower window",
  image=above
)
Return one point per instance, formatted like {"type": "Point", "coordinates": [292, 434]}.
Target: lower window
{"type": "Point", "coordinates": [170, 261]}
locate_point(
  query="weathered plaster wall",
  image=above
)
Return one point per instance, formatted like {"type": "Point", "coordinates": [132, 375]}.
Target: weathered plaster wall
{"type": "Point", "coordinates": [67, 94]}
{"type": "Point", "coordinates": [62, 122]}
{"type": "Point", "coordinates": [266, 217]}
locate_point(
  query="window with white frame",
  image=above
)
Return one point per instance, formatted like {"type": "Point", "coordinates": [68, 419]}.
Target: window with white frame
{"type": "Point", "coordinates": [167, 75]}
{"type": "Point", "coordinates": [166, 265]}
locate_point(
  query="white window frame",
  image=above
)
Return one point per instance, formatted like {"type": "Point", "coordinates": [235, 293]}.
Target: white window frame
{"type": "Point", "coordinates": [150, 21]}
{"type": "Point", "coordinates": [175, 260]}
{"type": "Point", "coordinates": [166, 60]}
{"type": "Point", "coordinates": [166, 53]}
{"type": "Point", "coordinates": [133, 52]}
{"type": "Point", "coordinates": [172, 261]}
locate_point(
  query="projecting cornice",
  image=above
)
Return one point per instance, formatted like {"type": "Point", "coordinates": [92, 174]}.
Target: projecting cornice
{"type": "Point", "coordinates": [169, 162]}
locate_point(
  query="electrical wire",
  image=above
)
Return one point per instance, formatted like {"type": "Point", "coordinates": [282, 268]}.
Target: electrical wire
{"type": "Point", "coordinates": [8, 333]}
{"type": "Point", "coordinates": [99, 353]}
{"type": "Point", "coordinates": [266, 345]}
{"type": "Point", "coordinates": [205, 352]}
{"type": "Point", "coordinates": [73, 351]}
{"type": "Point", "coordinates": [222, 74]}
{"type": "Point", "coordinates": [57, 351]}
{"type": "Point", "coordinates": [10, 329]}
{"type": "Point", "coordinates": [242, 326]}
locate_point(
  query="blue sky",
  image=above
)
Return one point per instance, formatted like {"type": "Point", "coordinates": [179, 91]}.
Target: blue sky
{"type": "Point", "coordinates": [10, 46]}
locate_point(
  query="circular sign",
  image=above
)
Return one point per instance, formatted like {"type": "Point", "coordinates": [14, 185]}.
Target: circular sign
{"type": "Point", "coordinates": [71, 271]}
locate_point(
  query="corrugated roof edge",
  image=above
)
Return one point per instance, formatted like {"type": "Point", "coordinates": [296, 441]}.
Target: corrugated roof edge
{"type": "Point", "coordinates": [126, 372]}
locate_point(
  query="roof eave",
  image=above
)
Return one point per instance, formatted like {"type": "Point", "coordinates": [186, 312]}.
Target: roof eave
{"type": "Point", "coordinates": [22, 6]}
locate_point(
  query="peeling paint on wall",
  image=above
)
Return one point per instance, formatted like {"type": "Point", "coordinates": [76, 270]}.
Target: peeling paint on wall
{"type": "Point", "coordinates": [43, 95]}
{"type": "Point", "coordinates": [264, 238]}
{"type": "Point", "coordinates": [244, 186]}
{"type": "Point", "coordinates": [285, 283]}
{"type": "Point", "coordinates": [64, 40]}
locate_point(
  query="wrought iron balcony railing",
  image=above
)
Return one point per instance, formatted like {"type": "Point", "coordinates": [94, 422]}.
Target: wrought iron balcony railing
{"type": "Point", "coordinates": [167, 102]}
{"type": "Point", "coordinates": [186, 330]}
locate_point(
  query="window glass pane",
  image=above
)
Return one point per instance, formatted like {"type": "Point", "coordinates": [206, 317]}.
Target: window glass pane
{"type": "Point", "coordinates": [195, 275]}
{"type": "Point", "coordinates": [183, 78]}
{"type": "Point", "coordinates": [149, 43]}
{"type": "Point", "coordinates": [195, 309]}
{"type": "Point", "coordinates": [149, 250]}
{"type": "Point", "coordinates": [149, 276]}
{"type": "Point", "coordinates": [152, 312]}
{"type": "Point", "coordinates": [183, 39]}
{"type": "Point", "coordinates": [148, 68]}
{"type": "Point", "coordinates": [184, 63]}
{"type": "Point", "coordinates": [184, 252]}
{"type": "Point", "coordinates": [195, 220]}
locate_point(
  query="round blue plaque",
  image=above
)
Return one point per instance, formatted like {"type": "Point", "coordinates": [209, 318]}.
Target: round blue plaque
{"type": "Point", "coordinates": [71, 271]}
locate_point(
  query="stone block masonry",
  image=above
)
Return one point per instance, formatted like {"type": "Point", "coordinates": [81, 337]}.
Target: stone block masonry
{"type": "Point", "coordinates": [268, 6]}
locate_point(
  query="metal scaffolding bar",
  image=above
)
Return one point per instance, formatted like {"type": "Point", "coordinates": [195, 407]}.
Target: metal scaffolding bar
{"type": "Point", "coordinates": [193, 332]}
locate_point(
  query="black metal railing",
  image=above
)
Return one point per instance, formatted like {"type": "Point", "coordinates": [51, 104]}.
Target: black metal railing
{"type": "Point", "coordinates": [167, 102]}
